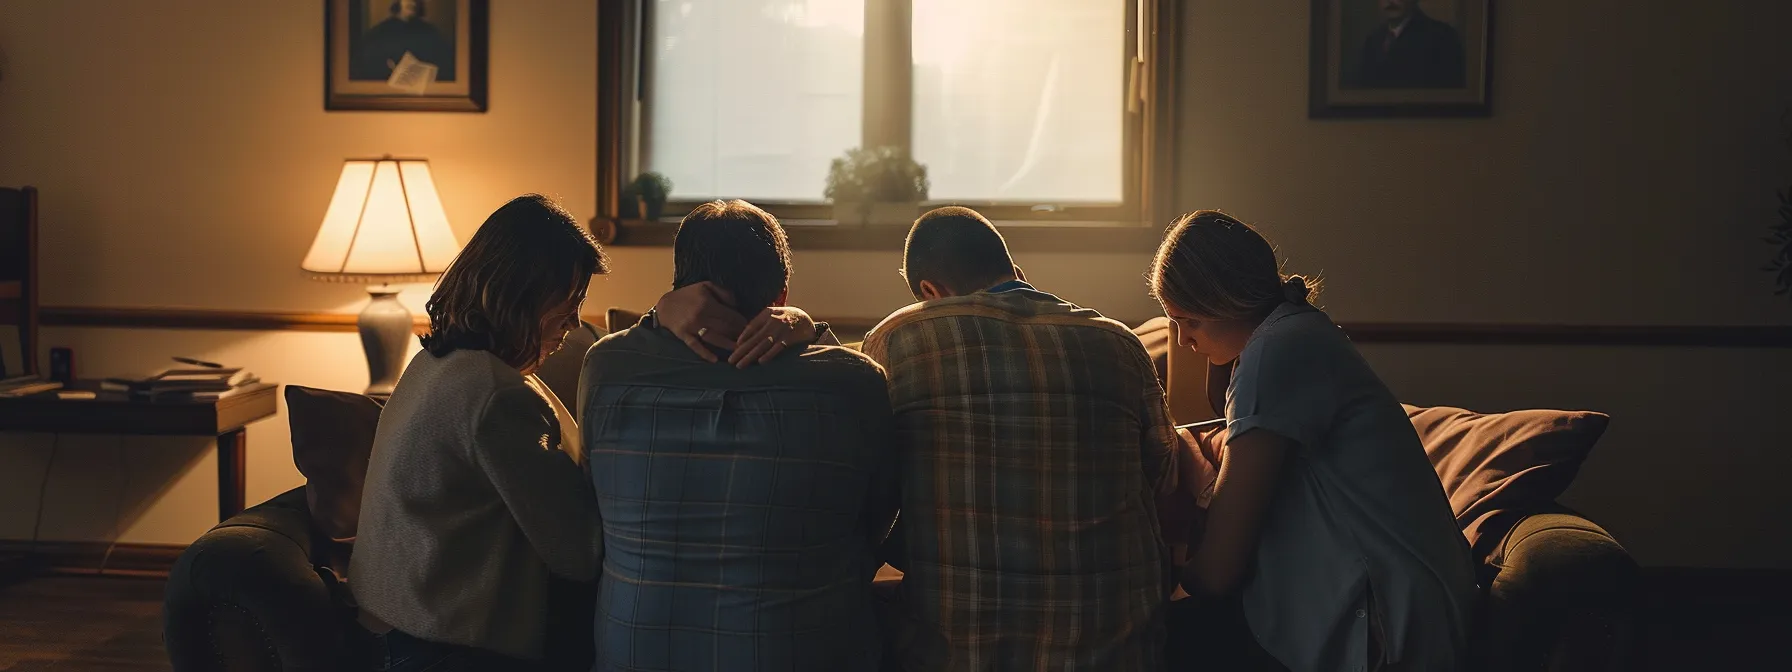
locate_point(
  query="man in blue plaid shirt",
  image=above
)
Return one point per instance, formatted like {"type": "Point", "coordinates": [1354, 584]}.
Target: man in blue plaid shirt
{"type": "Point", "coordinates": [740, 505]}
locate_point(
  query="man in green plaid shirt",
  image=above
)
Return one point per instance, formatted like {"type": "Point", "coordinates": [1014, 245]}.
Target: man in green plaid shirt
{"type": "Point", "coordinates": [1032, 441]}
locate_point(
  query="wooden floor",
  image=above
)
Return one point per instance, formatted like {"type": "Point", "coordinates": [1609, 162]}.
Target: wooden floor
{"type": "Point", "coordinates": [114, 624]}
{"type": "Point", "coordinates": [81, 623]}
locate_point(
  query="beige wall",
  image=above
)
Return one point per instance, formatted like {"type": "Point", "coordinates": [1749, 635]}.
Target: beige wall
{"type": "Point", "coordinates": [1626, 177]}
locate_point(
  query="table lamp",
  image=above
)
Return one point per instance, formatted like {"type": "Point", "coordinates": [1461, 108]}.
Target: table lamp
{"type": "Point", "coordinates": [385, 225]}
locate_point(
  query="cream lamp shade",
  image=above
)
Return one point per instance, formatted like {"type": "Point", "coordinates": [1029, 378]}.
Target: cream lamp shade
{"type": "Point", "coordinates": [385, 224]}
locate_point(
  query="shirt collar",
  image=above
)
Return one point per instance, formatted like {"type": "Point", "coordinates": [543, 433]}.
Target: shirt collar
{"type": "Point", "coordinates": [1010, 286]}
{"type": "Point", "coordinates": [1396, 30]}
{"type": "Point", "coordinates": [1288, 308]}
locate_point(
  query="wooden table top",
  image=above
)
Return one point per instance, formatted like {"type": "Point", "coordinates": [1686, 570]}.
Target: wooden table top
{"type": "Point", "coordinates": [116, 413]}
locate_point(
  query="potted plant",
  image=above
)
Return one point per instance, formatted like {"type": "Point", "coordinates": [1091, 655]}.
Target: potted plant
{"type": "Point", "coordinates": [881, 185]}
{"type": "Point", "coordinates": [648, 192]}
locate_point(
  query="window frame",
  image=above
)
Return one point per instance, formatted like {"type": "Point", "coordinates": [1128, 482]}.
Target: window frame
{"type": "Point", "coordinates": [1147, 161]}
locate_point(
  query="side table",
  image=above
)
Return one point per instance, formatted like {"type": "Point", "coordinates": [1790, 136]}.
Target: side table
{"type": "Point", "coordinates": [116, 413]}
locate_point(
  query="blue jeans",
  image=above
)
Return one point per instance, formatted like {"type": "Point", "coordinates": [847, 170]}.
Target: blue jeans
{"type": "Point", "coordinates": [404, 653]}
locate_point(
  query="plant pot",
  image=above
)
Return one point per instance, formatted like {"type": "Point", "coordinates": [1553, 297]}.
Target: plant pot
{"type": "Point", "coordinates": [649, 210]}
{"type": "Point", "coordinates": [877, 213]}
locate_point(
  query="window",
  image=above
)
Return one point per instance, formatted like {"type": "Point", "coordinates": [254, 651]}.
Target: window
{"type": "Point", "coordinates": [1029, 110]}
{"type": "Point", "coordinates": [750, 99]}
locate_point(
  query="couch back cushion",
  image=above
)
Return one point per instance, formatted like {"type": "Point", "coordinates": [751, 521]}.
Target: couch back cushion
{"type": "Point", "coordinates": [1497, 467]}
{"type": "Point", "coordinates": [332, 437]}
{"type": "Point", "coordinates": [561, 370]}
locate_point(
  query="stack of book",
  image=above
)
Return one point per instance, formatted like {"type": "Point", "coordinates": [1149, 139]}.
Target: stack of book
{"type": "Point", "coordinates": [24, 385]}
{"type": "Point", "coordinates": [198, 381]}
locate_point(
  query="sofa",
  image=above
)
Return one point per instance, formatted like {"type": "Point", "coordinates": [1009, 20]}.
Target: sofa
{"type": "Point", "coordinates": [1558, 592]}
{"type": "Point", "coordinates": [258, 592]}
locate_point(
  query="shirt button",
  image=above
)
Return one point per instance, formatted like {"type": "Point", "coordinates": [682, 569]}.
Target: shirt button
{"type": "Point", "coordinates": [1361, 613]}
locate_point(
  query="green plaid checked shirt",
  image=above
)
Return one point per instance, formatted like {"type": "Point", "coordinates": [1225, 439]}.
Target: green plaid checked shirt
{"type": "Point", "coordinates": [1032, 440]}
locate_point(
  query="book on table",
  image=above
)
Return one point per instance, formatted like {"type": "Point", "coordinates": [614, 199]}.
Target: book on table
{"type": "Point", "coordinates": [26, 385]}
{"type": "Point", "coordinates": [197, 383]}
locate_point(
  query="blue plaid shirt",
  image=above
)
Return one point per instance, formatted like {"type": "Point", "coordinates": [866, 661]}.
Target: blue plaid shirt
{"type": "Point", "coordinates": [740, 507]}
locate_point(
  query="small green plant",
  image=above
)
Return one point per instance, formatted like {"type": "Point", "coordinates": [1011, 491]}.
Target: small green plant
{"type": "Point", "coordinates": [877, 175]}
{"type": "Point", "coordinates": [649, 190]}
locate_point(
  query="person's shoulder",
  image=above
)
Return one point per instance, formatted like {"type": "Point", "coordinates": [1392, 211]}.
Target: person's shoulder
{"type": "Point", "coordinates": [1295, 333]}
{"type": "Point", "coordinates": [632, 337]}
{"type": "Point", "coordinates": [905, 315]}
{"type": "Point", "coordinates": [459, 382]}
{"type": "Point", "coordinates": [630, 352]}
{"type": "Point", "coordinates": [476, 368]}
{"type": "Point", "coordinates": [635, 339]}
{"type": "Point", "coordinates": [849, 371]}
{"type": "Point", "coordinates": [841, 357]}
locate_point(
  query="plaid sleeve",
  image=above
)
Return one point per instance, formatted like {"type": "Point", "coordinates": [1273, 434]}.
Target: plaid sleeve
{"type": "Point", "coordinates": [884, 498]}
{"type": "Point", "coordinates": [1157, 435]}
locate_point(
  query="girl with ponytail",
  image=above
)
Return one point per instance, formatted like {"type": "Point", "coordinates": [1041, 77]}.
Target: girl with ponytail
{"type": "Point", "coordinates": [1329, 538]}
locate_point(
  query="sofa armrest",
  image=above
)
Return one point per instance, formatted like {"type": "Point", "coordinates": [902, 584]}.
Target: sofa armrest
{"type": "Point", "coordinates": [245, 596]}
{"type": "Point", "coordinates": [1564, 593]}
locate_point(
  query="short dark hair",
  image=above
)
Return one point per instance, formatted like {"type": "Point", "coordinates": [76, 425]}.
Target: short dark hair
{"type": "Point", "coordinates": [528, 257]}
{"type": "Point", "coordinates": [957, 248]}
{"type": "Point", "coordinates": [737, 246]}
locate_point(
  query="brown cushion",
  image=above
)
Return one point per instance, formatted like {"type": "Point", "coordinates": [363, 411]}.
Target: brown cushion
{"type": "Point", "coordinates": [1496, 467]}
{"type": "Point", "coordinates": [561, 370]}
{"type": "Point", "coordinates": [332, 436]}
{"type": "Point", "coordinates": [617, 319]}
{"type": "Point", "coordinates": [1157, 338]}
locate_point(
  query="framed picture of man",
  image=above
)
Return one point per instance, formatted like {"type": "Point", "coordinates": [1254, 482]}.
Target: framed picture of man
{"type": "Point", "coordinates": [407, 55]}
{"type": "Point", "coordinates": [1401, 58]}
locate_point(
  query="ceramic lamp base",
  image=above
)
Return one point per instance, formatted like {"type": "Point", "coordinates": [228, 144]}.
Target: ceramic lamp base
{"type": "Point", "coordinates": [385, 326]}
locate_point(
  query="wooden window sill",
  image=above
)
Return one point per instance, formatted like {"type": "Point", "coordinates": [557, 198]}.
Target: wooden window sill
{"type": "Point", "coordinates": [1022, 236]}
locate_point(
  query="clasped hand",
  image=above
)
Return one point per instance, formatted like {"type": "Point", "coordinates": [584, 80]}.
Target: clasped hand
{"type": "Point", "coordinates": [703, 316]}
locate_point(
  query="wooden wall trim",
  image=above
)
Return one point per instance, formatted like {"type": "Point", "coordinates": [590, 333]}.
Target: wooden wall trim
{"type": "Point", "coordinates": [1438, 333]}
{"type": "Point", "coordinates": [205, 319]}
{"type": "Point", "coordinates": [88, 557]}
{"type": "Point", "coordinates": [1704, 336]}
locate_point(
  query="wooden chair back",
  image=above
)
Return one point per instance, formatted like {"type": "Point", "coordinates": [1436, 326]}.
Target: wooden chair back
{"type": "Point", "coordinates": [19, 272]}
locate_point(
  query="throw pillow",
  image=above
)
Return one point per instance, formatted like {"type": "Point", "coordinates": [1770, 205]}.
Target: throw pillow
{"type": "Point", "coordinates": [1497, 467]}
{"type": "Point", "coordinates": [561, 370]}
{"type": "Point", "coordinates": [332, 437]}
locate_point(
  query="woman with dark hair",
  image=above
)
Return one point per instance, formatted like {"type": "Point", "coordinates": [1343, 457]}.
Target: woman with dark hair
{"type": "Point", "coordinates": [475, 497]}
{"type": "Point", "coordinates": [1329, 534]}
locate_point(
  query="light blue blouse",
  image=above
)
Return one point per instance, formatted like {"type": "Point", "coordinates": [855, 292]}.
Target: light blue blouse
{"type": "Point", "coordinates": [1358, 538]}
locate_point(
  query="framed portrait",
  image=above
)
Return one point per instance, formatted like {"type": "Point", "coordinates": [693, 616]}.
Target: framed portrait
{"type": "Point", "coordinates": [406, 55]}
{"type": "Point", "coordinates": [1401, 58]}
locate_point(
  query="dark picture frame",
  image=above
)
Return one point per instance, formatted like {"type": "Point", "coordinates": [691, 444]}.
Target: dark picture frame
{"type": "Point", "coordinates": [1361, 68]}
{"type": "Point", "coordinates": [364, 39]}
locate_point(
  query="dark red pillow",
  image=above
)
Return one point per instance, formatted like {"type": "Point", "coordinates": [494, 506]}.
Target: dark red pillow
{"type": "Point", "coordinates": [332, 437]}
{"type": "Point", "coordinates": [1504, 463]}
